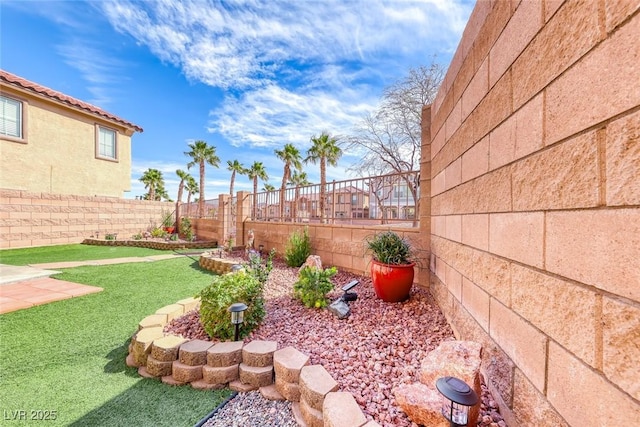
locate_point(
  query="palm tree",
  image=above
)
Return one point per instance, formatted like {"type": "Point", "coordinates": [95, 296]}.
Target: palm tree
{"type": "Point", "coordinates": [202, 153]}
{"type": "Point", "coordinates": [256, 171]}
{"type": "Point", "coordinates": [183, 177]}
{"type": "Point", "coordinates": [192, 188]}
{"type": "Point", "coordinates": [290, 155]}
{"type": "Point", "coordinates": [152, 180]}
{"type": "Point", "coordinates": [325, 150]}
{"type": "Point", "coordinates": [269, 189]}
{"type": "Point", "coordinates": [298, 179]}
{"type": "Point", "coordinates": [235, 167]}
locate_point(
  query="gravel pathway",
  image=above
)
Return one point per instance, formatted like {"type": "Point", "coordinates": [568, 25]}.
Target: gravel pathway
{"type": "Point", "coordinates": [253, 410]}
{"type": "Point", "coordinates": [378, 347]}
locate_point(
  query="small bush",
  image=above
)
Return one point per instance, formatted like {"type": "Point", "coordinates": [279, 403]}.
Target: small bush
{"type": "Point", "coordinates": [313, 285]}
{"type": "Point", "coordinates": [224, 291]}
{"type": "Point", "coordinates": [158, 233]}
{"type": "Point", "coordinates": [185, 228]}
{"type": "Point", "coordinates": [110, 236]}
{"type": "Point", "coordinates": [137, 236]}
{"type": "Point", "coordinates": [258, 270]}
{"type": "Point", "coordinates": [298, 248]}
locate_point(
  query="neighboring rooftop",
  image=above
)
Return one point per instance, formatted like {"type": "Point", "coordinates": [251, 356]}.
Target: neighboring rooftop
{"type": "Point", "coordinates": [20, 82]}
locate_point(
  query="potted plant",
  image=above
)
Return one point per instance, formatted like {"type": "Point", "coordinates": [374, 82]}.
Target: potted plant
{"type": "Point", "coordinates": [391, 266]}
{"type": "Point", "coordinates": [167, 222]}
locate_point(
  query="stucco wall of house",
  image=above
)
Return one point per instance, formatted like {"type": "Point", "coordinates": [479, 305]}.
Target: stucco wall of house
{"type": "Point", "coordinates": [535, 204]}
{"type": "Point", "coordinates": [59, 155]}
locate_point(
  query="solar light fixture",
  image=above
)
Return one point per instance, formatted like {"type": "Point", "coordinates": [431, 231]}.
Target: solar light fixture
{"type": "Point", "coordinates": [350, 296]}
{"type": "Point", "coordinates": [457, 398]}
{"type": "Point", "coordinates": [237, 316]}
{"type": "Point", "coordinates": [236, 267]}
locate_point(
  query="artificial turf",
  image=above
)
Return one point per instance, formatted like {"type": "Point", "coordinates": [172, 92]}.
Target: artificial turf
{"type": "Point", "coordinates": [69, 356]}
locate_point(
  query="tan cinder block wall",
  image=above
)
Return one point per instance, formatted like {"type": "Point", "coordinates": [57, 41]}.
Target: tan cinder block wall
{"type": "Point", "coordinates": [38, 219]}
{"type": "Point", "coordinates": [535, 204]}
{"type": "Point", "coordinates": [59, 156]}
{"type": "Point", "coordinates": [342, 246]}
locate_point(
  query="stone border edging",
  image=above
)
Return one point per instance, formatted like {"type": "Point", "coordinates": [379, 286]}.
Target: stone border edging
{"type": "Point", "coordinates": [152, 244]}
{"type": "Point", "coordinates": [218, 264]}
{"type": "Point", "coordinates": [279, 374]}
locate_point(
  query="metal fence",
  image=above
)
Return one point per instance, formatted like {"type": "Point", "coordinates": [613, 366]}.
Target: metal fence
{"type": "Point", "coordinates": [385, 199]}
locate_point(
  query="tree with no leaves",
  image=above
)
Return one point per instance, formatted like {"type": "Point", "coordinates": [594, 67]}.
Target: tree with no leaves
{"type": "Point", "coordinates": [202, 153]}
{"type": "Point", "coordinates": [324, 150]}
{"type": "Point", "coordinates": [390, 138]}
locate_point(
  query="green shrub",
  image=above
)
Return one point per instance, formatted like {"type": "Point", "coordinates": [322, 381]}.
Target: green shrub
{"type": "Point", "coordinates": [185, 228]}
{"type": "Point", "coordinates": [224, 291]}
{"type": "Point", "coordinates": [313, 285]}
{"type": "Point", "coordinates": [110, 236]}
{"type": "Point", "coordinates": [137, 236]}
{"type": "Point", "coordinates": [258, 270]}
{"type": "Point", "coordinates": [298, 248]}
{"type": "Point", "coordinates": [389, 248]}
{"type": "Point", "coordinates": [158, 233]}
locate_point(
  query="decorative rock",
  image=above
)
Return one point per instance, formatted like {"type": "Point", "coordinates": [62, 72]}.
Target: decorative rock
{"type": "Point", "coordinates": [225, 354]}
{"type": "Point", "coordinates": [186, 373]}
{"type": "Point", "coordinates": [171, 381]}
{"type": "Point", "coordinates": [315, 383]}
{"type": "Point", "coordinates": [131, 362]}
{"type": "Point", "coordinates": [256, 376]}
{"type": "Point", "coordinates": [194, 352]}
{"type": "Point", "coordinates": [220, 375]}
{"type": "Point", "coordinates": [142, 344]}
{"type": "Point", "coordinates": [189, 304]}
{"type": "Point", "coordinates": [372, 424]}
{"type": "Point", "coordinates": [421, 404]}
{"type": "Point", "coordinates": [158, 368]}
{"type": "Point", "coordinates": [153, 320]}
{"type": "Point", "coordinates": [172, 311]}
{"type": "Point", "coordinates": [166, 348]}
{"type": "Point", "coordinates": [288, 362]}
{"type": "Point", "coordinates": [460, 359]}
{"type": "Point", "coordinates": [259, 353]}
{"type": "Point", "coordinates": [297, 414]}
{"type": "Point", "coordinates": [241, 387]}
{"type": "Point", "coordinates": [312, 416]}
{"type": "Point", "coordinates": [290, 391]}
{"type": "Point", "coordinates": [340, 409]}
{"type": "Point", "coordinates": [312, 261]}
{"type": "Point", "coordinates": [203, 385]}
{"type": "Point", "coordinates": [270, 392]}
{"type": "Point", "coordinates": [142, 371]}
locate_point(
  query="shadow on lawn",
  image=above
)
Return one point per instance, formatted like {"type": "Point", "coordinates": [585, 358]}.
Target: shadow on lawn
{"type": "Point", "coordinates": [117, 363]}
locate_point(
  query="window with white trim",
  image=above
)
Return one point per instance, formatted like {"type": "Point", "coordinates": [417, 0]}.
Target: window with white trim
{"type": "Point", "coordinates": [11, 117]}
{"type": "Point", "coordinates": [106, 147]}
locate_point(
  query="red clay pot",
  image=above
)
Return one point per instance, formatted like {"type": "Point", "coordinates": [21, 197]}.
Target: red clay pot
{"type": "Point", "coordinates": [392, 283]}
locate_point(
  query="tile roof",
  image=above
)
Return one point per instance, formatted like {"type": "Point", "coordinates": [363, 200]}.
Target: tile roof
{"type": "Point", "coordinates": [65, 99]}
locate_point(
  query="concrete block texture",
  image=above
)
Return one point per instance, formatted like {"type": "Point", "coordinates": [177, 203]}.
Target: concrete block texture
{"type": "Point", "coordinates": [599, 248]}
{"type": "Point", "coordinates": [621, 345]}
{"type": "Point", "coordinates": [623, 161]}
{"type": "Point", "coordinates": [583, 396]}
{"type": "Point", "coordinates": [340, 409]}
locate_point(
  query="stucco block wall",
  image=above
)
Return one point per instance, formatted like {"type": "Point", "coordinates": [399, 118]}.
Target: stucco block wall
{"type": "Point", "coordinates": [59, 155]}
{"type": "Point", "coordinates": [38, 219]}
{"type": "Point", "coordinates": [535, 204]}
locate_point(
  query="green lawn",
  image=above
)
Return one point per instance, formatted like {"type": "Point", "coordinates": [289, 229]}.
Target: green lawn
{"type": "Point", "coordinates": [69, 356]}
{"type": "Point", "coordinates": [76, 252]}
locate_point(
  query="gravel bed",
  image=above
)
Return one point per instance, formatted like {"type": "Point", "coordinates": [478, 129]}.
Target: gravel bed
{"type": "Point", "coordinates": [252, 410]}
{"type": "Point", "coordinates": [378, 347]}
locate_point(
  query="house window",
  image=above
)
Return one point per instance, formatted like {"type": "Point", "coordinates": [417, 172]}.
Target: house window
{"type": "Point", "coordinates": [11, 118]}
{"type": "Point", "coordinates": [354, 199]}
{"type": "Point", "coordinates": [106, 143]}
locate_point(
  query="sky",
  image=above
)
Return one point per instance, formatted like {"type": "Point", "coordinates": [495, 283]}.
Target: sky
{"type": "Point", "coordinates": [247, 77]}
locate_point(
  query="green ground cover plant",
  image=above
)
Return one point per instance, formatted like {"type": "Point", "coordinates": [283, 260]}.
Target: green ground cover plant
{"type": "Point", "coordinates": [76, 252]}
{"type": "Point", "coordinates": [69, 356]}
{"type": "Point", "coordinates": [313, 285]}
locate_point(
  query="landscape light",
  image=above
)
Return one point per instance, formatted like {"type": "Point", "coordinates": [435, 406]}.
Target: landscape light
{"type": "Point", "coordinates": [237, 316]}
{"type": "Point", "coordinates": [457, 398]}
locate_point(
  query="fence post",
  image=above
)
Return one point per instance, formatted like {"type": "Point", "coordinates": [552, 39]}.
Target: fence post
{"type": "Point", "coordinates": [243, 212]}
{"type": "Point", "coordinates": [224, 212]}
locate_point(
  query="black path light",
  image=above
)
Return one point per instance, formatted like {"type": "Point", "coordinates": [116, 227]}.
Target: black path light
{"type": "Point", "coordinates": [458, 397]}
{"type": "Point", "coordinates": [237, 316]}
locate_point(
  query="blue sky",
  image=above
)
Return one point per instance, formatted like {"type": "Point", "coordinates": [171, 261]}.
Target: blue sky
{"type": "Point", "coordinates": [245, 76]}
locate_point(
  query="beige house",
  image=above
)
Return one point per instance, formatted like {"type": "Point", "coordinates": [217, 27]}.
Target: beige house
{"type": "Point", "coordinates": [53, 143]}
